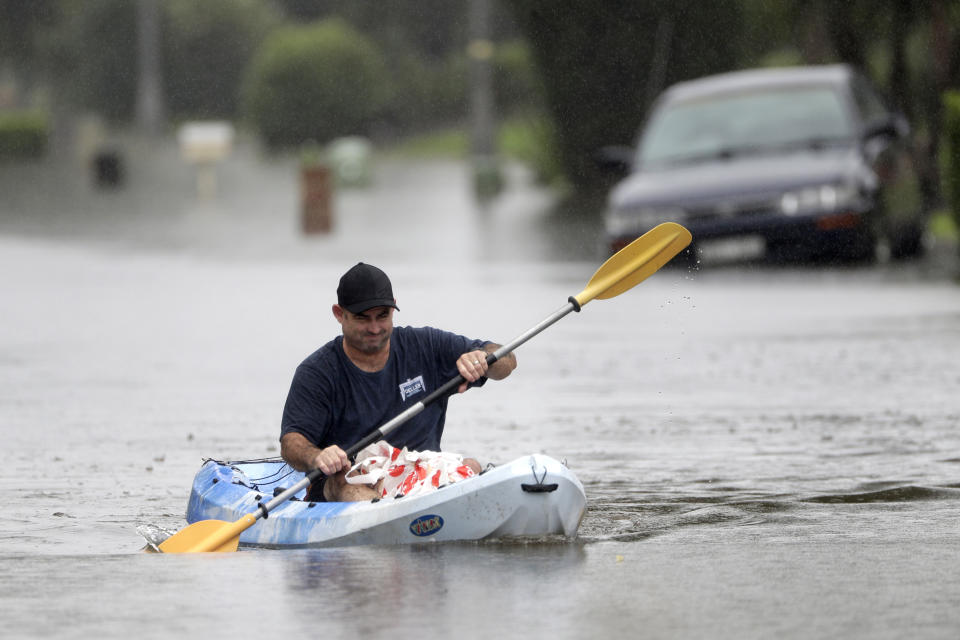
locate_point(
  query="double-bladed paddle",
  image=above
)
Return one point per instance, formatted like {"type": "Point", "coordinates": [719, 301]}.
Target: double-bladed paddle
{"type": "Point", "coordinates": [624, 270]}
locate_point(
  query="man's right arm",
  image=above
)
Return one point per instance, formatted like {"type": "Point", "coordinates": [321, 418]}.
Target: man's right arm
{"type": "Point", "coordinates": [302, 455]}
{"type": "Point", "coordinates": [303, 410]}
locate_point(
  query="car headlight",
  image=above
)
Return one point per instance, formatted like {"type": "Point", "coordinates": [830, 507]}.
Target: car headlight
{"type": "Point", "coordinates": [635, 221]}
{"type": "Point", "coordinates": [826, 198]}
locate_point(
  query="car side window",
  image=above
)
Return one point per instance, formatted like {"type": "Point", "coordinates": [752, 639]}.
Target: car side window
{"type": "Point", "coordinates": [868, 103]}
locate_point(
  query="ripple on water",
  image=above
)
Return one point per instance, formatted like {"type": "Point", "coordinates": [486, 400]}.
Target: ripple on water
{"type": "Point", "coordinates": [896, 494]}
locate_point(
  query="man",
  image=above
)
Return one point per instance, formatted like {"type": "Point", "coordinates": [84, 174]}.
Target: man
{"type": "Point", "coordinates": [358, 381]}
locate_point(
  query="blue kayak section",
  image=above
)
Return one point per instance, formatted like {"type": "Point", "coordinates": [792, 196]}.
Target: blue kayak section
{"type": "Point", "coordinates": [226, 491]}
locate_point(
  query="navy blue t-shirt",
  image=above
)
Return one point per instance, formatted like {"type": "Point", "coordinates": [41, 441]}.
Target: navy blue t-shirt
{"type": "Point", "coordinates": [332, 401]}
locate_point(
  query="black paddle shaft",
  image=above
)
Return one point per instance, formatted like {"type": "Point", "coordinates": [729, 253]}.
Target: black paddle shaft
{"type": "Point", "coordinates": [381, 432]}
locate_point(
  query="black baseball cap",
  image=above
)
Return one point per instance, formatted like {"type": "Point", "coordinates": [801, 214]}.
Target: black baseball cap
{"type": "Point", "coordinates": [364, 287]}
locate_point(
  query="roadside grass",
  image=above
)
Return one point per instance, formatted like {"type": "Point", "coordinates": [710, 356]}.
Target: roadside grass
{"type": "Point", "coordinates": [525, 139]}
{"type": "Point", "coordinates": [452, 142]}
{"type": "Point", "coordinates": [944, 226]}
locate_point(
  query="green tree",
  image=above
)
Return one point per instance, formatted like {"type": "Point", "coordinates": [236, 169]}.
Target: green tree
{"type": "Point", "coordinates": [93, 55]}
{"type": "Point", "coordinates": [207, 46]}
{"type": "Point", "coordinates": [21, 24]}
{"type": "Point", "coordinates": [907, 47]}
{"type": "Point", "coordinates": [602, 63]}
{"type": "Point", "coordinates": [314, 83]}
{"type": "Point", "coordinates": [951, 152]}
{"type": "Point", "coordinates": [424, 43]}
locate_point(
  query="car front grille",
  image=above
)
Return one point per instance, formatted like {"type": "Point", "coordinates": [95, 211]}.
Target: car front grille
{"type": "Point", "coordinates": [733, 209]}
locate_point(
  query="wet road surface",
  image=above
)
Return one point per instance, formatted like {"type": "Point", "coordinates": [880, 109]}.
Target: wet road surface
{"type": "Point", "coordinates": [767, 451]}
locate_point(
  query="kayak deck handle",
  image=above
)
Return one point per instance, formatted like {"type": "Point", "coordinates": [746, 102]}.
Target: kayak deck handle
{"type": "Point", "coordinates": [539, 487]}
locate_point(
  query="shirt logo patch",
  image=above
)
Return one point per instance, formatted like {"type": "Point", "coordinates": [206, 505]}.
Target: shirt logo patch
{"type": "Point", "coordinates": [411, 388]}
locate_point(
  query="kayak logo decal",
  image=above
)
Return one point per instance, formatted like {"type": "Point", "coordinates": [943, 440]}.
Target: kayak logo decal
{"type": "Point", "coordinates": [426, 526]}
{"type": "Point", "coordinates": [411, 388]}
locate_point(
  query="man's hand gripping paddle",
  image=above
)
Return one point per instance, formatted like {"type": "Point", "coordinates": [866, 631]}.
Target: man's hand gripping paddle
{"type": "Point", "coordinates": [624, 270]}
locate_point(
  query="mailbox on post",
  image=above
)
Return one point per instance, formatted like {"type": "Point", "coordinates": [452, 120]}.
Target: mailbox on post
{"type": "Point", "coordinates": [204, 145]}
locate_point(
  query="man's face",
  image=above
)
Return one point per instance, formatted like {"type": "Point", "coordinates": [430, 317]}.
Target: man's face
{"type": "Point", "coordinates": [368, 331]}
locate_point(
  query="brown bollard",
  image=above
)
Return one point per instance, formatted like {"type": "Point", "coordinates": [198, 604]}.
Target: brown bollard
{"type": "Point", "coordinates": [315, 199]}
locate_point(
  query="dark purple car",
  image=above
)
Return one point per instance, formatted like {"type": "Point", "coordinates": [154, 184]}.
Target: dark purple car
{"type": "Point", "coordinates": [790, 162]}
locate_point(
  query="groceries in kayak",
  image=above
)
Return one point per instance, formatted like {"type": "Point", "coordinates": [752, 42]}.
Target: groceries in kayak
{"type": "Point", "coordinates": [399, 472]}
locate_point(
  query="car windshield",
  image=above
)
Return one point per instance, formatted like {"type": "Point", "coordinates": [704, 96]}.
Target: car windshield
{"type": "Point", "coordinates": [745, 122]}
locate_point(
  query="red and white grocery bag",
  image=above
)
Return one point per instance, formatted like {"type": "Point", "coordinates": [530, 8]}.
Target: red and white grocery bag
{"type": "Point", "coordinates": [406, 473]}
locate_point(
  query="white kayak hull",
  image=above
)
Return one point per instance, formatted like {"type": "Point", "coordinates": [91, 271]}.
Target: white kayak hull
{"type": "Point", "coordinates": [533, 496]}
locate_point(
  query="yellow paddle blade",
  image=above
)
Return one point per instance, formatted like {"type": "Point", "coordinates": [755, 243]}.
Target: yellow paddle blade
{"type": "Point", "coordinates": [208, 535]}
{"type": "Point", "coordinates": [636, 262]}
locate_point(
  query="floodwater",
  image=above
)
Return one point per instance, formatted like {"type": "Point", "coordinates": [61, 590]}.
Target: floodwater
{"type": "Point", "coordinates": [767, 452]}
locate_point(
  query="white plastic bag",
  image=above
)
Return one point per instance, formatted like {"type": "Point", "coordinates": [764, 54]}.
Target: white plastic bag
{"type": "Point", "coordinates": [406, 473]}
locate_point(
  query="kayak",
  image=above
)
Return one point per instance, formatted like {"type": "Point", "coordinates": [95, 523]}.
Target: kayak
{"type": "Point", "coordinates": [533, 496]}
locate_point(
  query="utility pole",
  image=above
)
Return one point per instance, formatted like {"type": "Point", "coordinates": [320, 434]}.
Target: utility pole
{"type": "Point", "coordinates": [150, 111]}
{"type": "Point", "coordinates": [487, 181]}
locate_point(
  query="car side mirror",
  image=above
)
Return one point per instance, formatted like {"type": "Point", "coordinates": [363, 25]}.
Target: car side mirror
{"type": "Point", "coordinates": [615, 158]}
{"type": "Point", "coordinates": [895, 126]}
{"type": "Point", "coordinates": [902, 125]}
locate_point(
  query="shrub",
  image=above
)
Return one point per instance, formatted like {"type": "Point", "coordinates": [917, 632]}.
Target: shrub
{"type": "Point", "coordinates": [950, 162]}
{"type": "Point", "coordinates": [314, 83]}
{"type": "Point", "coordinates": [23, 134]}
{"type": "Point", "coordinates": [532, 141]}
